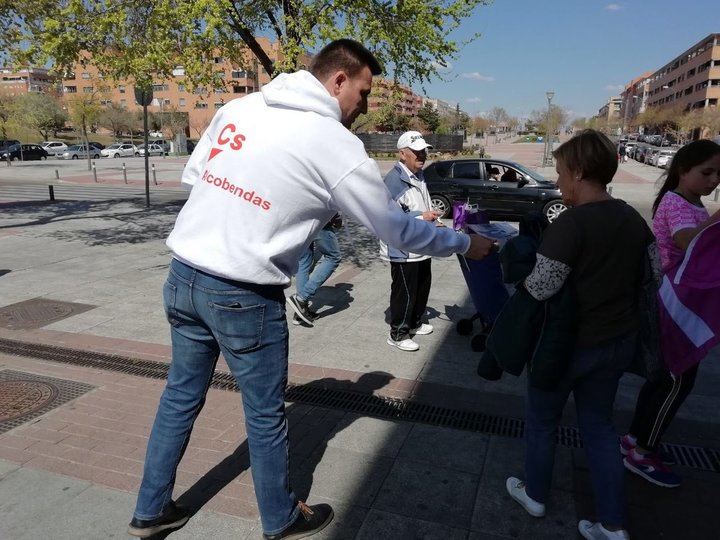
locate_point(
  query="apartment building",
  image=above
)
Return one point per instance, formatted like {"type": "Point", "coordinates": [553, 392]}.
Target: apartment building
{"type": "Point", "coordinates": [200, 103]}
{"type": "Point", "coordinates": [442, 107]}
{"type": "Point", "coordinates": [634, 98]}
{"type": "Point", "coordinates": [611, 110]}
{"type": "Point", "coordinates": [691, 80]}
{"type": "Point", "coordinates": [23, 81]}
{"type": "Point", "coordinates": [409, 102]}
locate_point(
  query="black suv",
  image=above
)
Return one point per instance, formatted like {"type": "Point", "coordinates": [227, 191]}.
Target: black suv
{"type": "Point", "coordinates": [504, 189]}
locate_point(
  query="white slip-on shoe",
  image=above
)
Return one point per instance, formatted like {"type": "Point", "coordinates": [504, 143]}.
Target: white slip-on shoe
{"type": "Point", "coordinates": [595, 531]}
{"type": "Point", "coordinates": [516, 489]}
{"type": "Point", "coordinates": [404, 344]}
{"type": "Point", "coordinates": [423, 329]}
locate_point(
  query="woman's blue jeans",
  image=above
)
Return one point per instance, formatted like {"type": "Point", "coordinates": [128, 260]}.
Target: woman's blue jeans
{"type": "Point", "coordinates": [246, 322]}
{"type": "Point", "coordinates": [593, 379]}
{"type": "Point", "coordinates": [308, 283]}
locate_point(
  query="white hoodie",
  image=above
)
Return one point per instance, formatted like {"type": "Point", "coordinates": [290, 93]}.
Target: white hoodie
{"type": "Point", "coordinates": [270, 171]}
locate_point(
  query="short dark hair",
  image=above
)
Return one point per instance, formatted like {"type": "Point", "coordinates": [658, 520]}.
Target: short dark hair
{"type": "Point", "coordinates": [343, 55]}
{"type": "Point", "coordinates": [590, 154]}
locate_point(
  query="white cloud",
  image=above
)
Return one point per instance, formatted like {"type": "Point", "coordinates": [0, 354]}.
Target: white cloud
{"type": "Point", "coordinates": [475, 76]}
{"type": "Point", "coordinates": [474, 100]}
{"type": "Point", "coordinates": [615, 87]}
{"type": "Point", "coordinates": [613, 7]}
{"type": "Point", "coordinates": [445, 67]}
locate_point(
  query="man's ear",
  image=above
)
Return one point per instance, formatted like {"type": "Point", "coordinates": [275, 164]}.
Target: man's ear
{"type": "Point", "coordinates": [337, 82]}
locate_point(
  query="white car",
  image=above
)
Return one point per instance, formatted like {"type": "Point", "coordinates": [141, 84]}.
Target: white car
{"type": "Point", "coordinates": [54, 148]}
{"type": "Point", "coordinates": [155, 150]}
{"type": "Point", "coordinates": [119, 150]}
{"type": "Point", "coordinates": [663, 158]}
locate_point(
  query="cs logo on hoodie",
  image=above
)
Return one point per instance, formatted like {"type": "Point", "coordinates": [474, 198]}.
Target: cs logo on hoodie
{"type": "Point", "coordinates": [227, 138]}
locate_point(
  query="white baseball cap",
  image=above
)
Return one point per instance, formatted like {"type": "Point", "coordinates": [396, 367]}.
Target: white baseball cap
{"type": "Point", "coordinates": [412, 140]}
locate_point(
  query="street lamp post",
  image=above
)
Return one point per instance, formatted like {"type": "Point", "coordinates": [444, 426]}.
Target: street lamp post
{"type": "Point", "coordinates": [547, 154]}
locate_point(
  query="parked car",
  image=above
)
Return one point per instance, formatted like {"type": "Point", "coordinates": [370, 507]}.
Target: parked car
{"type": "Point", "coordinates": [650, 156]}
{"type": "Point", "coordinates": [154, 150]}
{"type": "Point", "coordinates": [80, 151]}
{"type": "Point", "coordinates": [6, 143]}
{"type": "Point", "coordinates": [629, 147]}
{"type": "Point", "coordinates": [664, 157]}
{"type": "Point", "coordinates": [162, 142]}
{"type": "Point", "coordinates": [53, 148]}
{"type": "Point", "coordinates": [155, 134]}
{"type": "Point", "coordinates": [118, 150]}
{"type": "Point", "coordinates": [639, 153]}
{"type": "Point", "coordinates": [518, 191]}
{"type": "Point", "coordinates": [191, 146]}
{"type": "Point", "coordinates": [97, 145]}
{"type": "Point", "coordinates": [24, 152]}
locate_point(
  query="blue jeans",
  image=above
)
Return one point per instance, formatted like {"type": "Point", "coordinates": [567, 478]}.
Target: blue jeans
{"type": "Point", "coordinates": [308, 283]}
{"type": "Point", "coordinates": [593, 379]}
{"type": "Point", "coordinates": [247, 323]}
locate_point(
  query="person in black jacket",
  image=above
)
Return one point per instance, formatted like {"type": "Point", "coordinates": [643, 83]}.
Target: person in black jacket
{"type": "Point", "coordinates": [598, 247]}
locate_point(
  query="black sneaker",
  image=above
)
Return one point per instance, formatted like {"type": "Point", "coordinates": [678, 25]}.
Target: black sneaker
{"type": "Point", "coordinates": [311, 520]}
{"type": "Point", "coordinates": [300, 307]}
{"type": "Point", "coordinates": [172, 517]}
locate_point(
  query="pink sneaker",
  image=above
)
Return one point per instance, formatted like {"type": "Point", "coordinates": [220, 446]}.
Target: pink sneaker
{"type": "Point", "coordinates": [627, 444]}
{"type": "Point", "coordinates": [652, 469]}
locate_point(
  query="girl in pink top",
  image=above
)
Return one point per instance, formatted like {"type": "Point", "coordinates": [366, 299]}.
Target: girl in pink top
{"type": "Point", "coordinates": [678, 217]}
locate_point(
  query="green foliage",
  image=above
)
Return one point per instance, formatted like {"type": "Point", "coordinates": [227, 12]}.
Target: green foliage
{"type": "Point", "coordinates": [144, 38]}
{"type": "Point", "coordinates": [429, 116]}
{"type": "Point", "coordinates": [551, 122]}
{"type": "Point", "coordinates": [39, 112]}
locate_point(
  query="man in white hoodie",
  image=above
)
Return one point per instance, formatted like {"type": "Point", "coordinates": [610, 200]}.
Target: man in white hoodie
{"type": "Point", "coordinates": [269, 172]}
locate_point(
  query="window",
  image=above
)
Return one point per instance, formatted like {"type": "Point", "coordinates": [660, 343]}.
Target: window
{"type": "Point", "coordinates": [105, 101]}
{"type": "Point", "coordinates": [691, 72]}
{"type": "Point", "coordinates": [688, 90]}
{"type": "Point", "coordinates": [160, 87]}
{"type": "Point", "coordinates": [87, 89]}
{"type": "Point", "coordinates": [70, 89]}
{"type": "Point", "coordinates": [239, 74]}
{"type": "Point", "coordinates": [181, 87]}
{"type": "Point", "coordinates": [85, 75]}
{"type": "Point", "coordinates": [238, 89]}
{"type": "Point", "coordinates": [466, 169]}
{"type": "Point", "coordinates": [181, 102]}
{"type": "Point", "coordinates": [201, 105]}
{"type": "Point", "coordinates": [199, 90]}
{"type": "Point", "coordinates": [121, 88]}
{"type": "Point", "coordinates": [219, 104]}
{"type": "Point", "coordinates": [221, 91]}
{"type": "Point", "coordinates": [218, 60]}
{"type": "Point", "coordinates": [712, 102]}
{"type": "Point", "coordinates": [179, 71]}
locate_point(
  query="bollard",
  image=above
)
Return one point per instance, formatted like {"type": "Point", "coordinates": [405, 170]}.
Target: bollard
{"type": "Point", "coordinates": [124, 173]}
{"type": "Point", "coordinates": [94, 172]}
{"type": "Point", "coordinates": [57, 174]}
{"type": "Point", "coordinates": [154, 175]}
{"type": "Point", "coordinates": [51, 192]}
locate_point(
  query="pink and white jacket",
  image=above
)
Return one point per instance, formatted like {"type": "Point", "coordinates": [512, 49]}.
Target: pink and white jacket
{"type": "Point", "coordinates": [689, 299]}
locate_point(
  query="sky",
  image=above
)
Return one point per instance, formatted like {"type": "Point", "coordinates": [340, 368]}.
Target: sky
{"type": "Point", "coordinates": [583, 50]}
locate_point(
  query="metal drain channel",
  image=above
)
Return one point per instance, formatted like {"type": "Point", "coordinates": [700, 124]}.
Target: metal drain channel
{"type": "Point", "coordinates": [707, 459]}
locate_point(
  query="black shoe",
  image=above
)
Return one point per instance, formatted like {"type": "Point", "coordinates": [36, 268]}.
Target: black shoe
{"type": "Point", "coordinates": [311, 520]}
{"type": "Point", "coordinates": [300, 307]}
{"type": "Point", "coordinates": [172, 517]}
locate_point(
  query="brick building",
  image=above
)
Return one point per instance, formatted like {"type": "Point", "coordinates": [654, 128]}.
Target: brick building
{"type": "Point", "coordinates": [23, 81]}
{"type": "Point", "coordinates": [635, 98]}
{"type": "Point", "coordinates": [691, 80]}
{"type": "Point", "coordinates": [200, 103]}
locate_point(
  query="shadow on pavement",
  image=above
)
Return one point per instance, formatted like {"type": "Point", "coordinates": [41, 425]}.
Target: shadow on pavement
{"type": "Point", "coordinates": [310, 430]}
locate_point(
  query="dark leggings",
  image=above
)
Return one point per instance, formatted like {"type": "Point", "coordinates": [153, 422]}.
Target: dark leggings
{"type": "Point", "coordinates": [657, 405]}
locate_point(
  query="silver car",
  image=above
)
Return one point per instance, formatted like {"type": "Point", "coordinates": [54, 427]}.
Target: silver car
{"type": "Point", "coordinates": [155, 150]}
{"type": "Point", "coordinates": [53, 148]}
{"type": "Point", "coordinates": [664, 158]}
{"type": "Point", "coordinates": [118, 150]}
{"type": "Point", "coordinates": [79, 151]}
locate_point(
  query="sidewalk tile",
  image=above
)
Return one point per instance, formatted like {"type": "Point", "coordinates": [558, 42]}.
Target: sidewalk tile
{"type": "Point", "coordinates": [380, 524]}
{"type": "Point", "coordinates": [454, 449]}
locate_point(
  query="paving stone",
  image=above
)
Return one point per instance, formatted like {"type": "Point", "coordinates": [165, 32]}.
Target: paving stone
{"type": "Point", "coordinates": [341, 475]}
{"type": "Point", "coordinates": [380, 524]}
{"type": "Point", "coordinates": [427, 491]}
{"type": "Point", "coordinates": [451, 448]}
{"type": "Point", "coordinates": [369, 435]}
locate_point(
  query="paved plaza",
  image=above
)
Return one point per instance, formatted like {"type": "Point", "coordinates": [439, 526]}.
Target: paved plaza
{"type": "Point", "coordinates": [71, 451]}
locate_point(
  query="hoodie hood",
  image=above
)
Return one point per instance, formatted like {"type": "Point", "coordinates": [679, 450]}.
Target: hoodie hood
{"type": "Point", "coordinates": [302, 91]}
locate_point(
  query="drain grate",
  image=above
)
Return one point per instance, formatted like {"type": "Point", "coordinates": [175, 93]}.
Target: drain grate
{"type": "Point", "coordinates": [367, 404]}
{"type": "Point", "coordinates": [38, 312]}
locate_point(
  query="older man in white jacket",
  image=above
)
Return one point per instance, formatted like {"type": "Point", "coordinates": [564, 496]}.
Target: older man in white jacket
{"type": "Point", "coordinates": [271, 169]}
